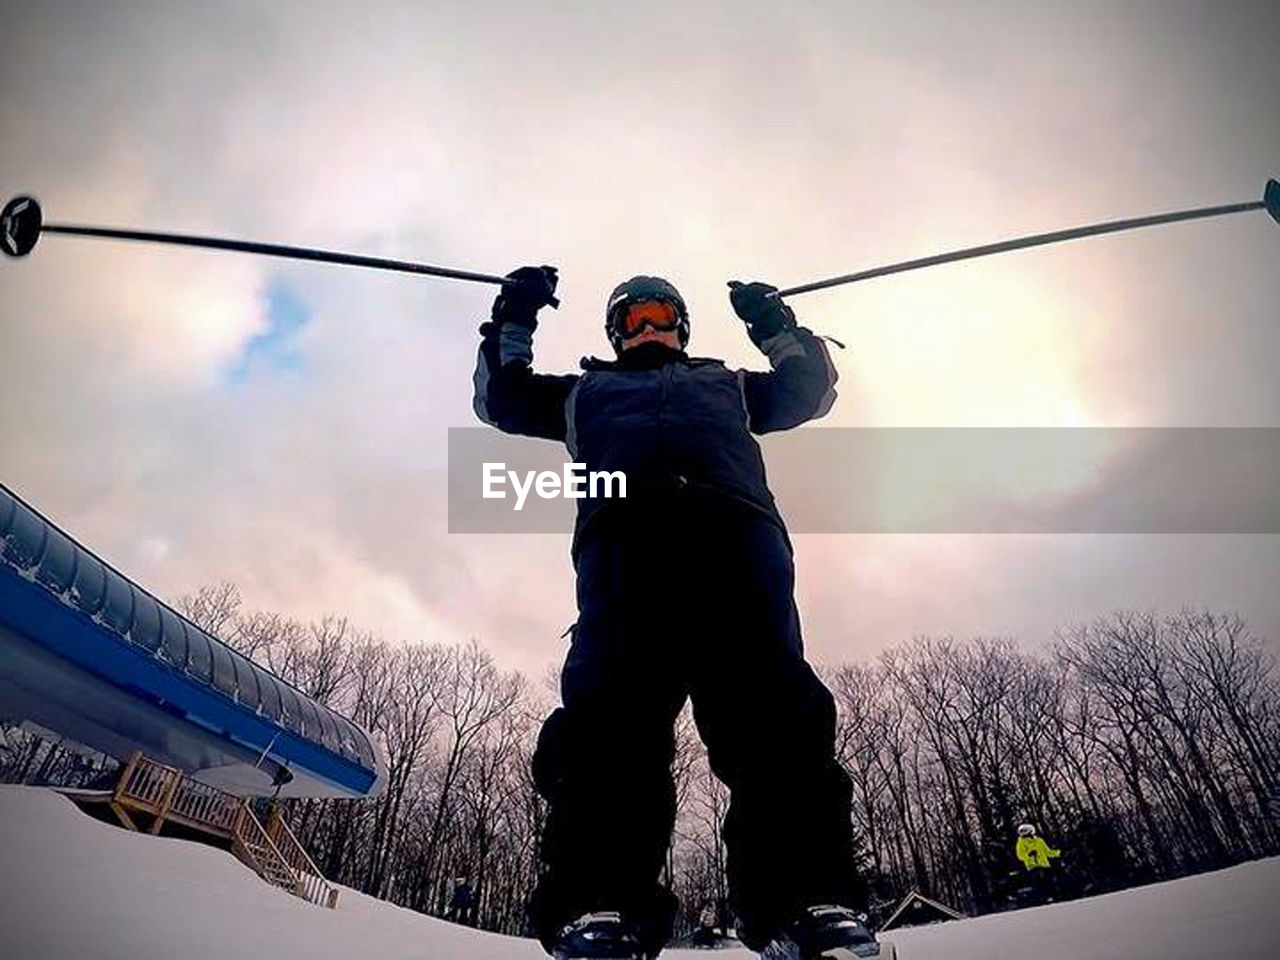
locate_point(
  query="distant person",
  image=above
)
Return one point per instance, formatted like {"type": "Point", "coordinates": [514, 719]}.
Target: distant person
{"type": "Point", "coordinates": [1036, 855]}
{"type": "Point", "coordinates": [684, 591]}
{"type": "Point", "coordinates": [723, 916]}
{"type": "Point", "coordinates": [461, 903]}
{"type": "Point", "coordinates": [705, 935]}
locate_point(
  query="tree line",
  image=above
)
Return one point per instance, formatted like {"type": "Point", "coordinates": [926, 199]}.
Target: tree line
{"type": "Point", "coordinates": [1144, 747]}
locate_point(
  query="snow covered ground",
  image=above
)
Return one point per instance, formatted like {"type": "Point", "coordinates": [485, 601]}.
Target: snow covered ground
{"type": "Point", "coordinates": [71, 887]}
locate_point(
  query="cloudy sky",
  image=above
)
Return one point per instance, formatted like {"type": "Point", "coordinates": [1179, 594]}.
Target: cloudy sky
{"type": "Point", "coordinates": [197, 416]}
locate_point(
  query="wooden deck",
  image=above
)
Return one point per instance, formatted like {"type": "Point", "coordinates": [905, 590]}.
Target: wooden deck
{"type": "Point", "coordinates": [148, 795]}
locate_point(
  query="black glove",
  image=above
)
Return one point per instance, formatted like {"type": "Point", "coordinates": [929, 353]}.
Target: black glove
{"type": "Point", "coordinates": [764, 315]}
{"type": "Point", "coordinates": [520, 302]}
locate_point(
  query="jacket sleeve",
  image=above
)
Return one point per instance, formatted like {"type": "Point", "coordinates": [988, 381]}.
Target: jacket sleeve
{"type": "Point", "coordinates": [508, 394]}
{"type": "Point", "coordinates": [800, 387]}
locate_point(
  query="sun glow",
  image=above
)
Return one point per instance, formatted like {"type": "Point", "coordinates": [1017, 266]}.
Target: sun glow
{"type": "Point", "coordinates": [970, 347]}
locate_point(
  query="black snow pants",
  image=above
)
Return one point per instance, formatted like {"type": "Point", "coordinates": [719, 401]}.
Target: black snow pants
{"type": "Point", "coordinates": [692, 605]}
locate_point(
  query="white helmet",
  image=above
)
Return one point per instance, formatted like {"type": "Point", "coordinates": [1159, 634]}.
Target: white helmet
{"type": "Point", "coordinates": [1026, 830]}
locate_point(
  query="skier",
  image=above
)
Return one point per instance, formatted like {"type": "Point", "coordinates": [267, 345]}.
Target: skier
{"type": "Point", "coordinates": [1035, 855]}
{"type": "Point", "coordinates": [460, 903]}
{"type": "Point", "coordinates": [684, 591]}
{"type": "Point", "coordinates": [706, 935]}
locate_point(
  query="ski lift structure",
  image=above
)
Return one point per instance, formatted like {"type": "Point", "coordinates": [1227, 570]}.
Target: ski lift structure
{"type": "Point", "coordinates": [93, 657]}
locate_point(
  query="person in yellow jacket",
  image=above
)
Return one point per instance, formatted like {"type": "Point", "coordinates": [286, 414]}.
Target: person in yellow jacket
{"type": "Point", "coordinates": [1032, 850]}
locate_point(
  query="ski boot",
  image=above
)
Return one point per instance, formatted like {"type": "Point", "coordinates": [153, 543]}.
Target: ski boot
{"type": "Point", "coordinates": [603, 935]}
{"type": "Point", "coordinates": [826, 932]}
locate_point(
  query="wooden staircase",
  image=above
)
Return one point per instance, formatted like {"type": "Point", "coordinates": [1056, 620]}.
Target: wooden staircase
{"type": "Point", "coordinates": [253, 847]}
{"type": "Point", "coordinates": [166, 794]}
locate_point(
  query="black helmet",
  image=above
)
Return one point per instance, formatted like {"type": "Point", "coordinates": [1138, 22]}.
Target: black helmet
{"type": "Point", "coordinates": [637, 290]}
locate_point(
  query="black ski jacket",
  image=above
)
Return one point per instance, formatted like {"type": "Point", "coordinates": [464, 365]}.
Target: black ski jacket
{"type": "Point", "coordinates": [677, 426]}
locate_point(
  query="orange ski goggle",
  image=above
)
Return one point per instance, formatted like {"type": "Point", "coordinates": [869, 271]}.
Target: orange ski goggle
{"type": "Point", "coordinates": [630, 319]}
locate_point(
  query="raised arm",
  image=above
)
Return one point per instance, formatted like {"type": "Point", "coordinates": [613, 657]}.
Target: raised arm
{"type": "Point", "coordinates": [801, 385]}
{"type": "Point", "coordinates": [508, 394]}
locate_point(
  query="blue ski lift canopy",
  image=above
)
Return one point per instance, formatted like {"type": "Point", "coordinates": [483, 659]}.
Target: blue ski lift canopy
{"type": "Point", "coordinates": [95, 658]}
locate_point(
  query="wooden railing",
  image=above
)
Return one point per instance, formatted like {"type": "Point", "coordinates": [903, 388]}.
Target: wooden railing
{"type": "Point", "coordinates": [273, 852]}
{"type": "Point", "coordinates": [311, 882]}
{"type": "Point", "coordinates": [200, 803]}
{"type": "Point", "coordinates": [250, 843]}
{"type": "Point", "coordinates": [146, 787]}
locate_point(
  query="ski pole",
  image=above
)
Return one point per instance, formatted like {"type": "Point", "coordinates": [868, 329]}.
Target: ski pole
{"type": "Point", "coordinates": [22, 223]}
{"type": "Point", "coordinates": [1270, 202]}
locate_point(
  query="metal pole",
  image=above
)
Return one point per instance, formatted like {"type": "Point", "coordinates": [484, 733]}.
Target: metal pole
{"type": "Point", "coordinates": [272, 250]}
{"type": "Point", "coordinates": [23, 225]}
{"type": "Point", "coordinates": [1270, 202]}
